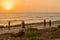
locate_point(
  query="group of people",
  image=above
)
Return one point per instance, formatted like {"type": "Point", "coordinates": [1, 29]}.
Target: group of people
{"type": "Point", "coordinates": [23, 24]}
{"type": "Point", "coordinates": [45, 22]}
{"type": "Point", "coordinates": [9, 24]}
{"type": "Point", "coordinates": [50, 23]}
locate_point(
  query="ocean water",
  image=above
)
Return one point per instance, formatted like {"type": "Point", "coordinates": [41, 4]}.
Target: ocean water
{"type": "Point", "coordinates": [28, 17]}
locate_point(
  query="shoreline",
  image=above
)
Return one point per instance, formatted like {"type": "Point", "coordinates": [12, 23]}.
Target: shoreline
{"type": "Point", "coordinates": [35, 23]}
{"type": "Point", "coordinates": [54, 23]}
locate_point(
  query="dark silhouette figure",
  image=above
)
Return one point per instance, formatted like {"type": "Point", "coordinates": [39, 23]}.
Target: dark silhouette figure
{"type": "Point", "coordinates": [44, 23]}
{"type": "Point", "coordinates": [9, 25]}
{"type": "Point", "coordinates": [50, 23]}
{"type": "Point", "coordinates": [23, 24]}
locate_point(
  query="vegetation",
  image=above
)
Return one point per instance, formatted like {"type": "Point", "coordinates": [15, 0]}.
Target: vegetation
{"type": "Point", "coordinates": [31, 33]}
{"type": "Point", "coordinates": [35, 34]}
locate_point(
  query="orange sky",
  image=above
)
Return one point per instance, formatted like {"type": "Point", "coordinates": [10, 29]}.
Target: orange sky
{"type": "Point", "coordinates": [33, 5]}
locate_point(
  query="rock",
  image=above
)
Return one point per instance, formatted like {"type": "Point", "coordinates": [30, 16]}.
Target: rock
{"type": "Point", "coordinates": [58, 26]}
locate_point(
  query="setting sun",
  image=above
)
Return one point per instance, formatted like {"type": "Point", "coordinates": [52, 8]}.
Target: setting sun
{"type": "Point", "coordinates": [7, 5]}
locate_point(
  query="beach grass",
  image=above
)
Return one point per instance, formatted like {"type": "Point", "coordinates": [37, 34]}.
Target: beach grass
{"type": "Point", "coordinates": [35, 34]}
{"type": "Point", "coordinates": [32, 32]}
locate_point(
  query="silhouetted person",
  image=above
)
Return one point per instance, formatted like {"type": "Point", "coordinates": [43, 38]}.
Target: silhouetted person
{"type": "Point", "coordinates": [23, 27]}
{"type": "Point", "coordinates": [50, 23]}
{"type": "Point", "coordinates": [23, 24]}
{"type": "Point", "coordinates": [9, 25]}
{"type": "Point", "coordinates": [44, 23]}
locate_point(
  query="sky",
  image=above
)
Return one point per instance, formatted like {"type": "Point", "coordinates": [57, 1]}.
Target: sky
{"type": "Point", "coordinates": [31, 5]}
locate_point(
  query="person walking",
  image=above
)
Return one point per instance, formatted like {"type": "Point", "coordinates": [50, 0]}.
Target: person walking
{"type": "Point", "coordinates": [23, 28]}
{"type": "Point", "coordinates": [23, 24]}
{"type": "Point", "coordinates": [50, 23]}
{"type": "Point", "coordinates": [44, 23]}
{"type": "Point", "coordinates": [8, 25]}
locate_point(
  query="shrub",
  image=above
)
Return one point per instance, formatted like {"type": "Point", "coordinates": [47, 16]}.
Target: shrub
{"type": "Point", "coordinates": [31, 33]}
{"type": "Point", "coordinates": [19, 34]}
{"type": "Point", "coordinates": [58, 26]}
{"type": "Point", "coordinates": [32, 29]}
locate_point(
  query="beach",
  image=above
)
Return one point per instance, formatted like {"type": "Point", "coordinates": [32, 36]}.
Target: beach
{"type": "Point", "coordinates": [16, 28]}
{"type": "Point", "coordinates": [41, 25]}
{"type": "Point", "coordinates": [30, 20]}
{"type": "Point", "coordinates": [33, 20]}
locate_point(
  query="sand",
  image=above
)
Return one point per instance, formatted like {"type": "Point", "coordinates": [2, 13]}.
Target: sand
{"type": "Point", "coordinates": [33, 25]}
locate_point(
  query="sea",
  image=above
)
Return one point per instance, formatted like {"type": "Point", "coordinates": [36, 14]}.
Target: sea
{"type": "Point", "coordinates": [28, 17]}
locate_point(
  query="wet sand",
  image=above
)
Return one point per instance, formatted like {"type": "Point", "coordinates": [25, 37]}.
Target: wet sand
{"type": "Point", "coordinates": [41, 25]}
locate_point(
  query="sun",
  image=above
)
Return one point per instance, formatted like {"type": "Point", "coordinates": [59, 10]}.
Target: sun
{"type": "Point", "coordinates": [7, 5]}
